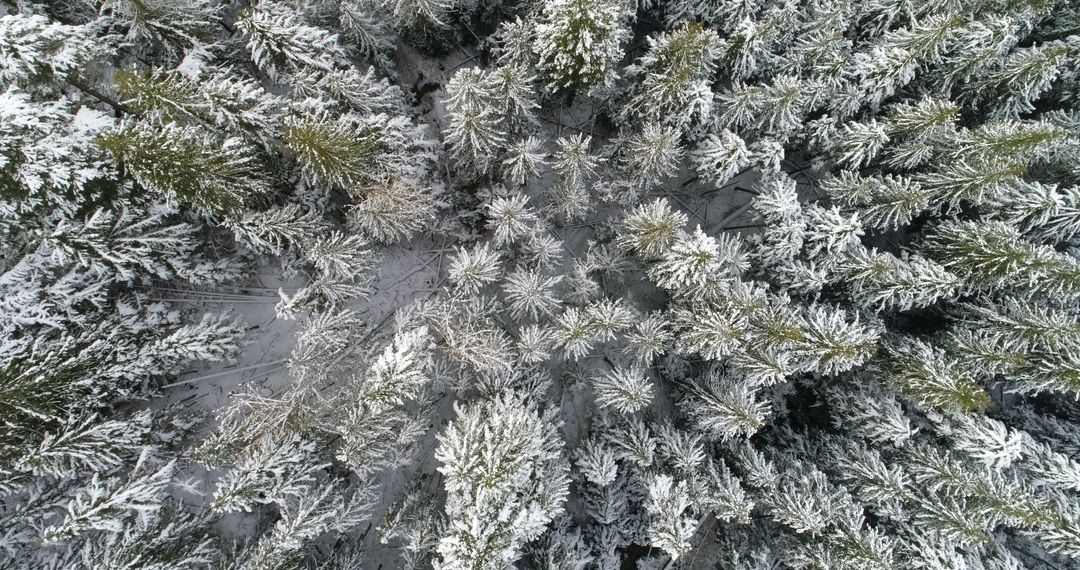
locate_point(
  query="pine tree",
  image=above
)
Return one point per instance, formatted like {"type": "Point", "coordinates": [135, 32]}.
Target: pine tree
{"type": "Point", "coordinates": [892, 61]}
{"type": "Point", "coordinates": [1024, 76]}
{"type": "Point", "coordinates": [1044, 212]}
{"type": "Point", "coordinates": [723, 407]}
{"type": "Point", "coordinates": [169, 536]}
{"type": "Point", "coordinates": [649, 157]}
{"type": "Point", "coordinates": [993, 255]}
{"type": "Point", "coordinates": [103, 505]}
{"type": "Point", "coordinates": [669, 529]}
{"type": "Point", "coordinates": [165, 24]}
{"type": "Point", "coordinates": [890, 320]}
{"type": "Point", "coordinates": [512, 218]}
{"type": "Point", "coordinates": [831, 343]}
{"type": "Point", "coordinates": [424, 22]}
{"type": "Point", "coordinates": [122, 244]}
{"type": "Point", "coordinates": [472, 269]}
{"type": "Point", "coordinates": [320, 509]}
{"type": "Point", "coordinates": [375, 429]}
{"type": "Point", "coordinates": [830, 233]}
{"type": "Point", "coordinates": [367, 32]}
{"type": "Point", "coordinates": [649, 230]}
{"type": "Point", "coordinates": [523, 161]}
{"type": "Point", "coordinates": [217, 99]}
{"type": "Point", "coordinates": [675, 86]}
{"type": "Point", "coordinates": [777, 203]}
{"type": "Point", "coordinates": [219, 176]}
{"type": "Point", "coordinates": [575, 166]}
{"type": "Point", "coordinates": [781, 106]}
{"type": "Point", "coordinates": [857, 144]}
{"type": "Point", "coordinates": [350, 90]}
{"type": "Point", "coordinates": [392, 211]}
{"type": "Point", "coordinates": [883, 202]}
{"type": "Point", "coordinates": [720, 158]}
{"type": "Point", "coordinates": [35, 50]}
{"type": "Point", "coordinates": [975, 181]}
{"type": "Point", "coordinates": [649, 338]}
{"type": "Point", "coordinates": [626, 390]}
{"type": "Point", "coordinates": [696, 260]}
{"type": "Point", "coordinates": [881, 280]}
{"type": "Point", "coordinates": [984, 42]}
{"type": "Point", "coordinates": [474, 131]}
{"type": "Point", "coordinates": [48, 148]}
{"type": "Point", "coordinates": [338, 153]}
{"type": "Point", "coordinates": [922, 127]}
{"type": "Point", "coordinates": [275, 230]}
{"type": "Point", "coordinates": [276, 468]}
{"type": "Point", "coordinates": [529, 294]}
{"type": "Point", "coordinates": [580, 42]}
{"type": "Point", "coordinates": [521, 473]}
{"type": "Point", "coordinates": [573, 161]}
{"type": "Point", "coordinates": [932, 378]}
{"type": "Point", "coordinates": [281, 44]}
{"type": "Point", "coordinates": [512, 89]}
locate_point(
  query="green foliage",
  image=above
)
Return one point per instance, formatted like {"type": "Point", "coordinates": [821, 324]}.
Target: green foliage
{"type": "Point", "coordinates": [217, 175]}
{"type": "Point", "coordinates": [580, 42]}
{"type": "Point", "coordinates": [334, 152]}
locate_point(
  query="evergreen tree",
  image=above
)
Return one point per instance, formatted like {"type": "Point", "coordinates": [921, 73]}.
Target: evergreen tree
{"type": "Point", "coordinates": [474, 126]}
{"type": "Point", "coordinates": [864, 354]}
{"type": "Point", "coordinates": [377, 429]}
{"type": "Point", "coordinates": [281, 44]}
{"type": "Point", "coordinates": [882, 280]}
{"type": "Point", "coordinates": [626, 390]}
{"type": "Point", "coordinates": [337, 153]}
{"type": "Point", "coordinates": [648, 157]}
{"type": "Point", "coordinates": [719, 158]}
{"type": "Point", "coordinates": [187, 164]}
{"type": "Point", "coordinates": [579, 42]}
{"type": "Point", "coordinates": [675, 74]}
{"type": "Point", "coordinates": [505, 478]}
{"type": "Point", "coordinates": [35, 50]}
{"type": "Point", "coordinates": [392, 211]}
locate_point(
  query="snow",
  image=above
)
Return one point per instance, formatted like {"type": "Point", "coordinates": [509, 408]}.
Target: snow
{"type": "Point", "coordinates": [416, 270]}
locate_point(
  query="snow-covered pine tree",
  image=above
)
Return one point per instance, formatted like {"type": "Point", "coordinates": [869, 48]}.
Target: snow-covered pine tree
{"type": "Point", "coordinates": [580, 42]}
{"type": "Point", "coordinates": [860, 353]}
{"type": "Point", "coordinates": [506, 480]}
{"type": "Point", "coordinates": [675, 77]}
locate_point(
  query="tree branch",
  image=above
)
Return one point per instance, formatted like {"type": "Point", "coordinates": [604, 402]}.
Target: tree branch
{"type": "Point", "coordinates": [91, 91]}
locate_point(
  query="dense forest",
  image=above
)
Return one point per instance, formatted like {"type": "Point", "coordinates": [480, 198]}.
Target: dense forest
{"type": "Point", "coordinates": [564, 285]}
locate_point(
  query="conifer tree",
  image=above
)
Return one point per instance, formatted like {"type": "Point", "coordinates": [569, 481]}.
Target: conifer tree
{"type": "Point", "coordinates": [523, 161]}
{"type": "Point", "coordinates": [337, 153]}
{"type": "Point", "coordinates": [932, 378]}
{"type": "Point", "coordinates": [675, 74]}
{"type": "Point", "coordinates": [521, 473]}
{"type": "Point", "coordinates": [529, 293]}
{"type": "Point", "coordinates": [377, 429]}
{"type": "Point", "coordinates": [883, 202]}
{"type": "Point", "coordinates": [719, 158]}
{"type": "Point", "coordinates": [392, 211]}
{"type": "Point", "coordinates": [648, 157]}
{"type": "Point", "coordinates": [219, 176]}
{"type": "Point", "coordinates": [281, 44]}
{"type": "Point", "coordinates": [626, 390]}
{"type": "Point", "coordinates": [649, 230]}
{"type": "Point", "coordinates": [579, 42]}
{"type": "Point", "coordinates": [882, 280]}
{"type": "Point", "coordinates": [36, 50]}
{"type": "Point", "coordinates": [474, 130]}
{"type": "Point", "coordinates": [864, 354]}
